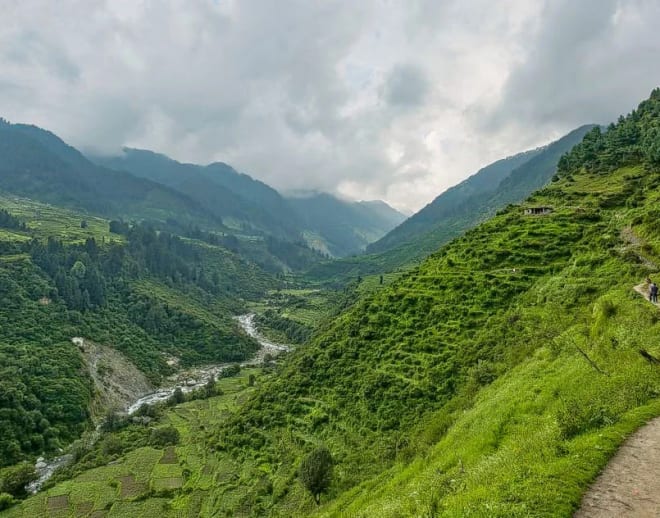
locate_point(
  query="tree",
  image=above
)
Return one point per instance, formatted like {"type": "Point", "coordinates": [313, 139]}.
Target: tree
{"type": "Point", "coordinates": [315, 472]}
{"type": "Point", "coordinates": [16, 478]}
{"type": "Point", "coordinates": [177, 397]}
{"type": "Point", "coordinates": [164, 436]}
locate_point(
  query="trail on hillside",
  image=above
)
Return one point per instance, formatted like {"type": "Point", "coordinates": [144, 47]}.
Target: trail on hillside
{"type": "Point", "coordinates": [643, 290]}
{"type": "Point", "coordinates": [630, 484]}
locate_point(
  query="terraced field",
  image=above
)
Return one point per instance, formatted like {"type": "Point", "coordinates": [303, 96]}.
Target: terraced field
{"type": "Point", "coordinates": [45, 221]}
{"type": "Point", "coordinates": [152, 482]}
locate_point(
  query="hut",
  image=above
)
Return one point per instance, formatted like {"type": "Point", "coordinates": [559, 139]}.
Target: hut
{"type": "Point", "coordinates": [537, 211]}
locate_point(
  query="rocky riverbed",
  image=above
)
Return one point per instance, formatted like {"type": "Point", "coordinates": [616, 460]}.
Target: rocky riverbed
{"type": "Point", "coordinates": [186, 380]}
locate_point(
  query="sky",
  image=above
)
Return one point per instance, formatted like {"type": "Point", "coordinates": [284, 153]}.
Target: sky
{"type": "Point", "coordinates": [377, 99]}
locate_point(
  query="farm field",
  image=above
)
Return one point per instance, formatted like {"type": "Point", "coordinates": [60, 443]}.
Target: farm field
{"type": "Point", "coordinates": [149, 481]}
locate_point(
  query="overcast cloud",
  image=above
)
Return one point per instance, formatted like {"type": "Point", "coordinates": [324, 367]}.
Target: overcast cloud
{"type": "Point", "coordinates": [386, 99]}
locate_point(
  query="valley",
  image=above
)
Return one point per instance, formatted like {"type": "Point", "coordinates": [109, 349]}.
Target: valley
{"type": "Point", "coordinates": [492, 369]}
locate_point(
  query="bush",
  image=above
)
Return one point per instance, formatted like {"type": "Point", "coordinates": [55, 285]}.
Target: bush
{"type": "Point", "coordinates": [112, 445]}
{"type": "Point", "coordinates": [177, 397]}
{"type": "Point", "coordinates": [16, 478]}
{"type": "Point", "coordinates": [576, 417]}
{"type": "Point", "coordinates": [316, 472]}
{"type": "Point", "coordinates": [6, 501]}
{"type": "Point", "coordinates": [230, 371]}
{"type": "Point", "coordinates": [165, 436]}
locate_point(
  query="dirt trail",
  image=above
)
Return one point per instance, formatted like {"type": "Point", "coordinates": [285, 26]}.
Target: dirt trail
{"type": "Point", "coordinates": [643, 290]}
{"type": "Point", "coordinates": [630, 484]}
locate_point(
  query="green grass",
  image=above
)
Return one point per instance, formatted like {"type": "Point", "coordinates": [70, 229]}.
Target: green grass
{"type": "Point", "coordinates": [44, 220]}
{"type": "Point", "coordinates": [409, 368]}
{"type": "Point", "coordinates": [507, 455]}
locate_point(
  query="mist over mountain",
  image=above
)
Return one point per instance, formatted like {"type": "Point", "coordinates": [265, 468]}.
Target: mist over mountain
{"type": "Point", "coordinates": [345, 227]}
{"type": "Point", "coordinates": [37, 164]}
{"type": "Point", "coordinates": [509, 180]}
{"type": "Point", "coordinates": [326, 223]}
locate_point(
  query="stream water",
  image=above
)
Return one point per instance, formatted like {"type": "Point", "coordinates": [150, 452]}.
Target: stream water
{"type": "Point", "coordinates": [187, 380]}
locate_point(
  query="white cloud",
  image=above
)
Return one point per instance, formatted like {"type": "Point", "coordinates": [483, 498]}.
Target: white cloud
{"type": "Point", "coordinates": [384, 99]}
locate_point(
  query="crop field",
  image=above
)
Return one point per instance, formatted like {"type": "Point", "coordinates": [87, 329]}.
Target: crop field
{"type": "Point", "coordinates": [45, 221]}
{"type": "Point", "coordinates": [305, 306]}
{"type": "Point", "coordinates": [152, 482]}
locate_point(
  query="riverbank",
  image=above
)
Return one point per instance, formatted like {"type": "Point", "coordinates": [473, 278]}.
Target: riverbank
{"type": "Point", "coordinates": [186, 380]}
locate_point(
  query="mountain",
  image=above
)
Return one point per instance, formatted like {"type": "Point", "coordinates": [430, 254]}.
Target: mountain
{"type": "Point", "coordinates": [340, 227]}
{"type": "Point", "coordinates": [37, 164]}
{"type": "Point", "coordinates": [147, 295]}
{"type": "Point", "coordinates": [387, 214]}
{"type": "Point", "coordinates": [497, 378]}
{"type": "Point", "coordinates": [509, 180]}
{"type": "Point", "coordinates": [326, 223]}
{"type": "Point", "coordinates": [453, 212]}
{"type": "Point", "coordinates": [243, 203]}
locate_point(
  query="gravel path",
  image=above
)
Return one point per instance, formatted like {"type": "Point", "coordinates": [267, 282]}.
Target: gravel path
{"type": "Point", "coordinates": [630, 484]}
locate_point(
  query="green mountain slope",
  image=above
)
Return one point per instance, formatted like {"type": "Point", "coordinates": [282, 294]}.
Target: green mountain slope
{"type": "Point", "coordinates": [150, 295]}
{"type": "Point", "coordinates": [461, 207]}
{"type": "Point", "coordinates": [519, 302]}
{"type": "Point", "coordinates": [245, 203]}
{"type": "Point", "coordinates": [341, 227]}
{"type": "Point", "coordinates": [506, 181]}
{"type": "Point", "coordinates": [249, 206]}
{"type": "Point", "coordinates": [37, 164]}
{"type": "Point", "coordinates": [453, 201]}
{"type": "Point", "coordinates": [496, 379]}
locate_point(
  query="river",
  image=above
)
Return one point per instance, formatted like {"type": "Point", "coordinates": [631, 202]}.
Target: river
{"type": "Point", "coordinates": [187, 380]}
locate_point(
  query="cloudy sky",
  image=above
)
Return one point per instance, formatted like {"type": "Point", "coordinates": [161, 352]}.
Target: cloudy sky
{"type": "Point", "coordinates": [390, 99]}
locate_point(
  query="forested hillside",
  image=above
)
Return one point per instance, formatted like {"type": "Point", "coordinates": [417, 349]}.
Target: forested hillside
{"type": "Point", "coordinates": [341, 227]}
{"type": "Point", "coordinates": [35, 163]}
{"type": "Point", "coordinates": [151, 295]}
{"type": "Point", "coordinates": [246, 204]}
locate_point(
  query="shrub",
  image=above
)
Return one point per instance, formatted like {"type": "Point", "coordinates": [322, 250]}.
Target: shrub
{"type": "Point", "coordinates": [112, 445]}
{"type": "Point", "coordinates": [164, 436]}
{"type": "Point", "coordinates": [316, 472]}
{"type": "Point", "coordinates": [16, 478]}
{"type": "Point", "coordinates": [576, 417]}
{"type": "Point", "coordinates": [6, 501]}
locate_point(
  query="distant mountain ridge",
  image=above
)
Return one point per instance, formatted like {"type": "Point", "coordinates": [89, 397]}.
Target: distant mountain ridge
{"type": "Point", "coordinates": [328, 224]}
{"type": "Point", "coordinates": [509, 180]}
{"type": "Point", "coordinates": [347, 227]}
{"type": "Point", "coordinates": [242, 202]}
{"type": "Point", "coordinates": [505, 181]}
{"type": "Point", "coordinates": [37, 164]}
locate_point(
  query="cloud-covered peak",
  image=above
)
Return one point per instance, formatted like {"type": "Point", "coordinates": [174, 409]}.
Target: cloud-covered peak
{"type": "Point", "coordinates": [395, 100]}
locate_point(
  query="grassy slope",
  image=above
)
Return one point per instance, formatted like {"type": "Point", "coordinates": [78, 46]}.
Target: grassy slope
{"type": "Point", "coordinates": [408, 362]}
{"type": "Point", "coordinates": [458, 209]}
{"type": "Point", "coordinates": [42, 370]}
{"type": "Point", "coordinates": [528, 444]}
